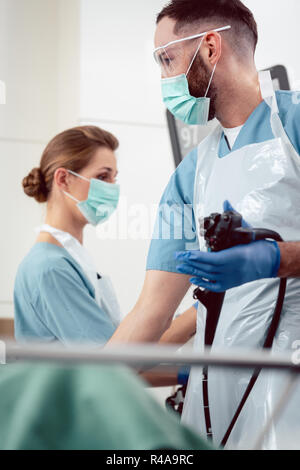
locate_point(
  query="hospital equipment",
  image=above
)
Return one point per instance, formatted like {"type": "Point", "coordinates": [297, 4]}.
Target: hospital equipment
{"type": "Point", "coordinates": [223, 232]}
{"type": "Point", "coordinates": [148, 355]}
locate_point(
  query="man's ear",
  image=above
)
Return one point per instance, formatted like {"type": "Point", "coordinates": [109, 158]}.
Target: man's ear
{"type": "Point", "coordinates": [213, 43]}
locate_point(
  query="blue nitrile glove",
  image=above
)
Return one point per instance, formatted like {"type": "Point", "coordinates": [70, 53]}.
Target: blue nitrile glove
{"type": "Point", "coordinates": [183, 375]}
{"type": "Point", "coordinates": [219, 272]}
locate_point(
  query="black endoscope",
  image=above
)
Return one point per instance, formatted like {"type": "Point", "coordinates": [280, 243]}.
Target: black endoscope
{"type": "Point", "coordinates": [222, 232]}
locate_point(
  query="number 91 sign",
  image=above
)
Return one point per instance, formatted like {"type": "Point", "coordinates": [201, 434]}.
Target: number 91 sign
{"type": "Point", "coordinates": [185, 138]}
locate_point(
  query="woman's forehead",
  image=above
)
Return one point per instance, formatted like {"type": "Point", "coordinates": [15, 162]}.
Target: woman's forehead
{"type": "Point", "coordinates": [104, 157]}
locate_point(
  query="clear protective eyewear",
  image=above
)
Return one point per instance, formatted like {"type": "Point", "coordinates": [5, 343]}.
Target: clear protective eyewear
{"type": "Point", "coordinates": [176, 57]}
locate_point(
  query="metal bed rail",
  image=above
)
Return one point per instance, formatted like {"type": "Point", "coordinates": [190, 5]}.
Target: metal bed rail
{"type": "Point", "coordinates": [152, 355]}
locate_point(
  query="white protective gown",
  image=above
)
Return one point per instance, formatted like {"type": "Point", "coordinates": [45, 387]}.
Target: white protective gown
{"type": "Point", "coordinates": [262, 182]}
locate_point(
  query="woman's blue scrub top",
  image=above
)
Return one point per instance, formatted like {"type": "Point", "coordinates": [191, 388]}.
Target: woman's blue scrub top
{"type": "Point", "coordinates": [55, 301]}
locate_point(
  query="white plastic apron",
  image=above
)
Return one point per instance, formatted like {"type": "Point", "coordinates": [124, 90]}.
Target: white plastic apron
{"type": "Point", "coordinates": [104, 292]}
{"type": "Point", "coordinates": [262, 182]}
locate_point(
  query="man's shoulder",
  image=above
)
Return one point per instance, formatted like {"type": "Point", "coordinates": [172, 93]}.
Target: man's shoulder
{"type": "Point", "coordinates": [288, 104]}
{"type": "Point", "coordinates": [182, 180]}
{"type": "Point", "coordinates": [189, 162]}
{"type": "Point", "coordinates": [289, 112]}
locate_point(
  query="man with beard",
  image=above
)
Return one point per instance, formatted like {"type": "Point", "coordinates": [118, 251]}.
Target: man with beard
{"type": "Point", "coordinates": [205, 50]}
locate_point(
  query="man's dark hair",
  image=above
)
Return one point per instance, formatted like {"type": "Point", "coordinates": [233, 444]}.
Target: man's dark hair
{"type": "Point", "coordinates": [222, 12]}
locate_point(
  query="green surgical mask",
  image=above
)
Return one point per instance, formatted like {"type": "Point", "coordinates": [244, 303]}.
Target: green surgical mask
{"type": "Point", "coordinates": [102, 201]}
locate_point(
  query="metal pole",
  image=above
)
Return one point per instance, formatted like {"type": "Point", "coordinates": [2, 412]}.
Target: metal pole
{"type": "Point", "coordinates": [150, 356]}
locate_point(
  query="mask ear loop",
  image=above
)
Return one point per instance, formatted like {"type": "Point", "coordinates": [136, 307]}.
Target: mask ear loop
{"type": "Point", "coordinates": [71, 197]}
{"type": "Point", "coordinates": [78, 176]}
{"type": "Point", "coordinates": [211, 79]}
{"type": "Point", "coordinates": [212, 76]}
{"type": "Point", "coordinates": [195, 55]}
{"type": "Point", "coordinates": [213, 72]}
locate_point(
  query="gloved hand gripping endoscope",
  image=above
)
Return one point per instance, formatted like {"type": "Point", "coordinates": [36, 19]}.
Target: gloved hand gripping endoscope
{"type": "Point", "coordinates": [223, 232]}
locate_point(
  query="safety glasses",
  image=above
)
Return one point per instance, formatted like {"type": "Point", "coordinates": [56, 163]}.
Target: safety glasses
{"type": "Point", "coordinates": [175, 57]}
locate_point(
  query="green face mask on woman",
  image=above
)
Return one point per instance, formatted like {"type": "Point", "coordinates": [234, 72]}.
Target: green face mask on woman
{"type": "Point", "coordinates": [102, 201]}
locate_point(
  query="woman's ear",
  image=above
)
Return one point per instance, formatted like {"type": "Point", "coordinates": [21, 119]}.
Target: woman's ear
{"type": "Point", "coordinates": [61, 179]}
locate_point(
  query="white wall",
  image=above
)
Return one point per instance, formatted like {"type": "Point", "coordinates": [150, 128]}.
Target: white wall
{"type": "Point", "coordinates": [39, 57]}
{"type": "Point", "coordinates": [120, 91]}
{"type": "Point", "coordinates": [76, 61]}
{"type": "Point", "coordinates": [278, 25]}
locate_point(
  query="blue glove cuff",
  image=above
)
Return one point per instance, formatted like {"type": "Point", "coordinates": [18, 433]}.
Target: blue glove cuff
{"type": "Point", "coordinates": [277, 260]}
{"type": "Point", "coordinates": [183, 375]}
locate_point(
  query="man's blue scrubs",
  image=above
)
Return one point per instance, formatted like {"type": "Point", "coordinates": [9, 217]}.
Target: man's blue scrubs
{"type": "Point", "coordinates": [180, 190]}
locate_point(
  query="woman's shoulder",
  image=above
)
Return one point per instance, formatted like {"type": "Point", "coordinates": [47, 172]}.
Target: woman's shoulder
{"type": "Point", "coordinates": [45, 255]}
{"type": "Point", "coordinates": [44, 258]}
